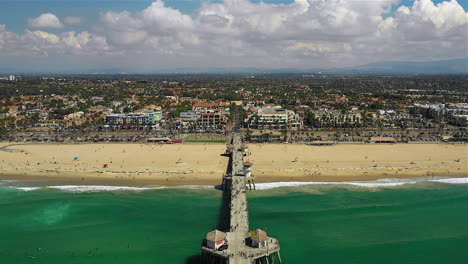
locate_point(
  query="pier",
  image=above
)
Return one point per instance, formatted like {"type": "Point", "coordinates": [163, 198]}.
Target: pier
{"type": "Point", "coordinates": [239, 244]}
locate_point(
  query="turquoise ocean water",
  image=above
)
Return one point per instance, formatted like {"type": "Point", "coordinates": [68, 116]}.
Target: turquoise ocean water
{"type": "Point", "coordinates": [425, 222]}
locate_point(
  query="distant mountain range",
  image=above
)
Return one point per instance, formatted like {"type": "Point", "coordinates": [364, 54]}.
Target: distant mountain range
{"type": "Point", "coordinates": [455, 66]}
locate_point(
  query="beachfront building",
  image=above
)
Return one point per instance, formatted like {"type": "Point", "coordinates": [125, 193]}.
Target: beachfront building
{"type": "Point", "coordinates": [211, 121]}
{"type": "Point", "coordinates": [335, 118]}
{"type": "Point", "coordinates": [187, 120]}
{"type": "Point", "coordinates": [456, 114]}
{"type": "Point", "coordinates": [206, 115]}
{"type": "Point", "coordinates": [202, 120]}
{"type": "Point", "coordinates": [133, 120]}
{"type": "Point", "coordinates": [157, 115]}
{"type": "Point", "coordinates": [273, 117]}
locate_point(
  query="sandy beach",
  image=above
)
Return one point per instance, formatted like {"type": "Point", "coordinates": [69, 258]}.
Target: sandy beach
{"type": "Point", "coordinates": [202, 164]}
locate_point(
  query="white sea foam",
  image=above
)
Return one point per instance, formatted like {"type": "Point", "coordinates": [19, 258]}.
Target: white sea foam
{"type": "Point", "coordinates": [271, 185]}
{"type": "Point", "coordinates": [99, 188]}
{"type": "Point", "coordinates": [374, 184]}
{"type": "Point", "coordinates": [452, 180]}
{"type": "Point", "coordinates": [192, 187]}
{"type": "Point", "coordinates": [96, 188]}
{"type": "Point", "coordinates": [28, 188]}
{"type": "Point", "coordinates": [368, 184]}
{"type": "Point", "coordinates": [10, 181]}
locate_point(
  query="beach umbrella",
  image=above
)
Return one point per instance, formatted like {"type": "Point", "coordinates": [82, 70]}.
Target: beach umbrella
{"type": "Point", "coordinates": [76, 158]}
{"type": "Point", "coordinates": [105, 165]}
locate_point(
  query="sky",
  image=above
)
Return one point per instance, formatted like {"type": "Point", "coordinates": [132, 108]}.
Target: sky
{"type": "Point", "coordinates": [144, 36]}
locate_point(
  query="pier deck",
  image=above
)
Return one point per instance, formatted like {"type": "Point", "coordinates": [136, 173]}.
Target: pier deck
{"type": "Point", "coordinates": [239, 252]}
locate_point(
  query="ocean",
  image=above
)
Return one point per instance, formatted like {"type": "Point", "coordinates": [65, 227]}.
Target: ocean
{"type": "Point", "coordinates": [388, 221]}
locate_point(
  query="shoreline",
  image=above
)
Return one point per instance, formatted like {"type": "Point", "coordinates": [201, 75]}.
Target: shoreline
{"type": "Point", "coordinates": [126, 179]}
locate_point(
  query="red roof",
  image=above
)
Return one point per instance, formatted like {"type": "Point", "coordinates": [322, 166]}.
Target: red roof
{"type": "Point", "coordinates": [211, 104]}
{"type": "Point", "coordinates": [153, 106]}
{"type": "Point", "coordinates": [205, 104]}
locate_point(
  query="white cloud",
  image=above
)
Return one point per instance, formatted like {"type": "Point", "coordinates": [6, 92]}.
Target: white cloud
{"type": "Point", "coordinates": [42, 43]}
{"type": "Point", "coordinates": [84, 43]}
{"type": "Point", "coordinates": [242, 33]}
{"type": "Point", "coordinates": [72, 20]}
{"type": "Point", "coordinates": [160, 18]}
{"type": "Point", "coordinates": [308, 47]}
{"type": "Point", "coordinates": [48, 37]}
{"type": "Point", "coordinates": [45, 21]}
{"type": "Point", "coordinates": [243, 28]}
{"type": "Point", "coordinates": [426, 21]}
{"type": "Point", "coordinates": [172, 29]}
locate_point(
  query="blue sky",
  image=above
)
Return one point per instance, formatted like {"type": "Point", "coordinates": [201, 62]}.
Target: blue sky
{"type": "Point", "coordinates": [18, 11]}
{"type": "Point", "coordinates": [236, 33]}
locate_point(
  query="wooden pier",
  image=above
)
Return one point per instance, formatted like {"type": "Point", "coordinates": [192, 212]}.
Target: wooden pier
{"type": "Point", "coordinates": [243, 245]}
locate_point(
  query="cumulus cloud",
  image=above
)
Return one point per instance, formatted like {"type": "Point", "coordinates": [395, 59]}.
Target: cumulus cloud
{"type": "Point", "coordinates": [42, 43]}
{"type": "Point", "coordinates": [72, 20]}
{"type": "Point", "coordinates": [425, 20]}
{"type": "Point", "coordinates": [307, 27]}
{"type": "Point", "coordinates": [308, 47]}
{"type": "Point", "coordinates": [45, 21]}
{"type": "Point", "coordinates": [156, 25]}
{"type": "Point", "coordinates": [304, 33]}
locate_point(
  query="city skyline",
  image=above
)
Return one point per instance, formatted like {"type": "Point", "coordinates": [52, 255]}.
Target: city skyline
{"type": "Point", "coordinates": [147, 36]}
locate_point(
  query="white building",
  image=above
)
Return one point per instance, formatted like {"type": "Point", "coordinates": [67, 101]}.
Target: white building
{"type": "Point", "coordinates": [211, 120]}
{"type": "Point", "coordinates": [456, 113]}
{"type": "Point", "coordinates": [336, 118]}
{"type": "Point", "coordinates": [274, 117]}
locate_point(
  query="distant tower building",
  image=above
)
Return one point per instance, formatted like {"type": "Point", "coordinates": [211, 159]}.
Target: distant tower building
{"type": "Point", "coordinates": [11, 78]}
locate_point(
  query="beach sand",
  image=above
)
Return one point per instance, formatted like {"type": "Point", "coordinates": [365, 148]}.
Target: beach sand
{"type": "Point", "coordinates": [202, 164]}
